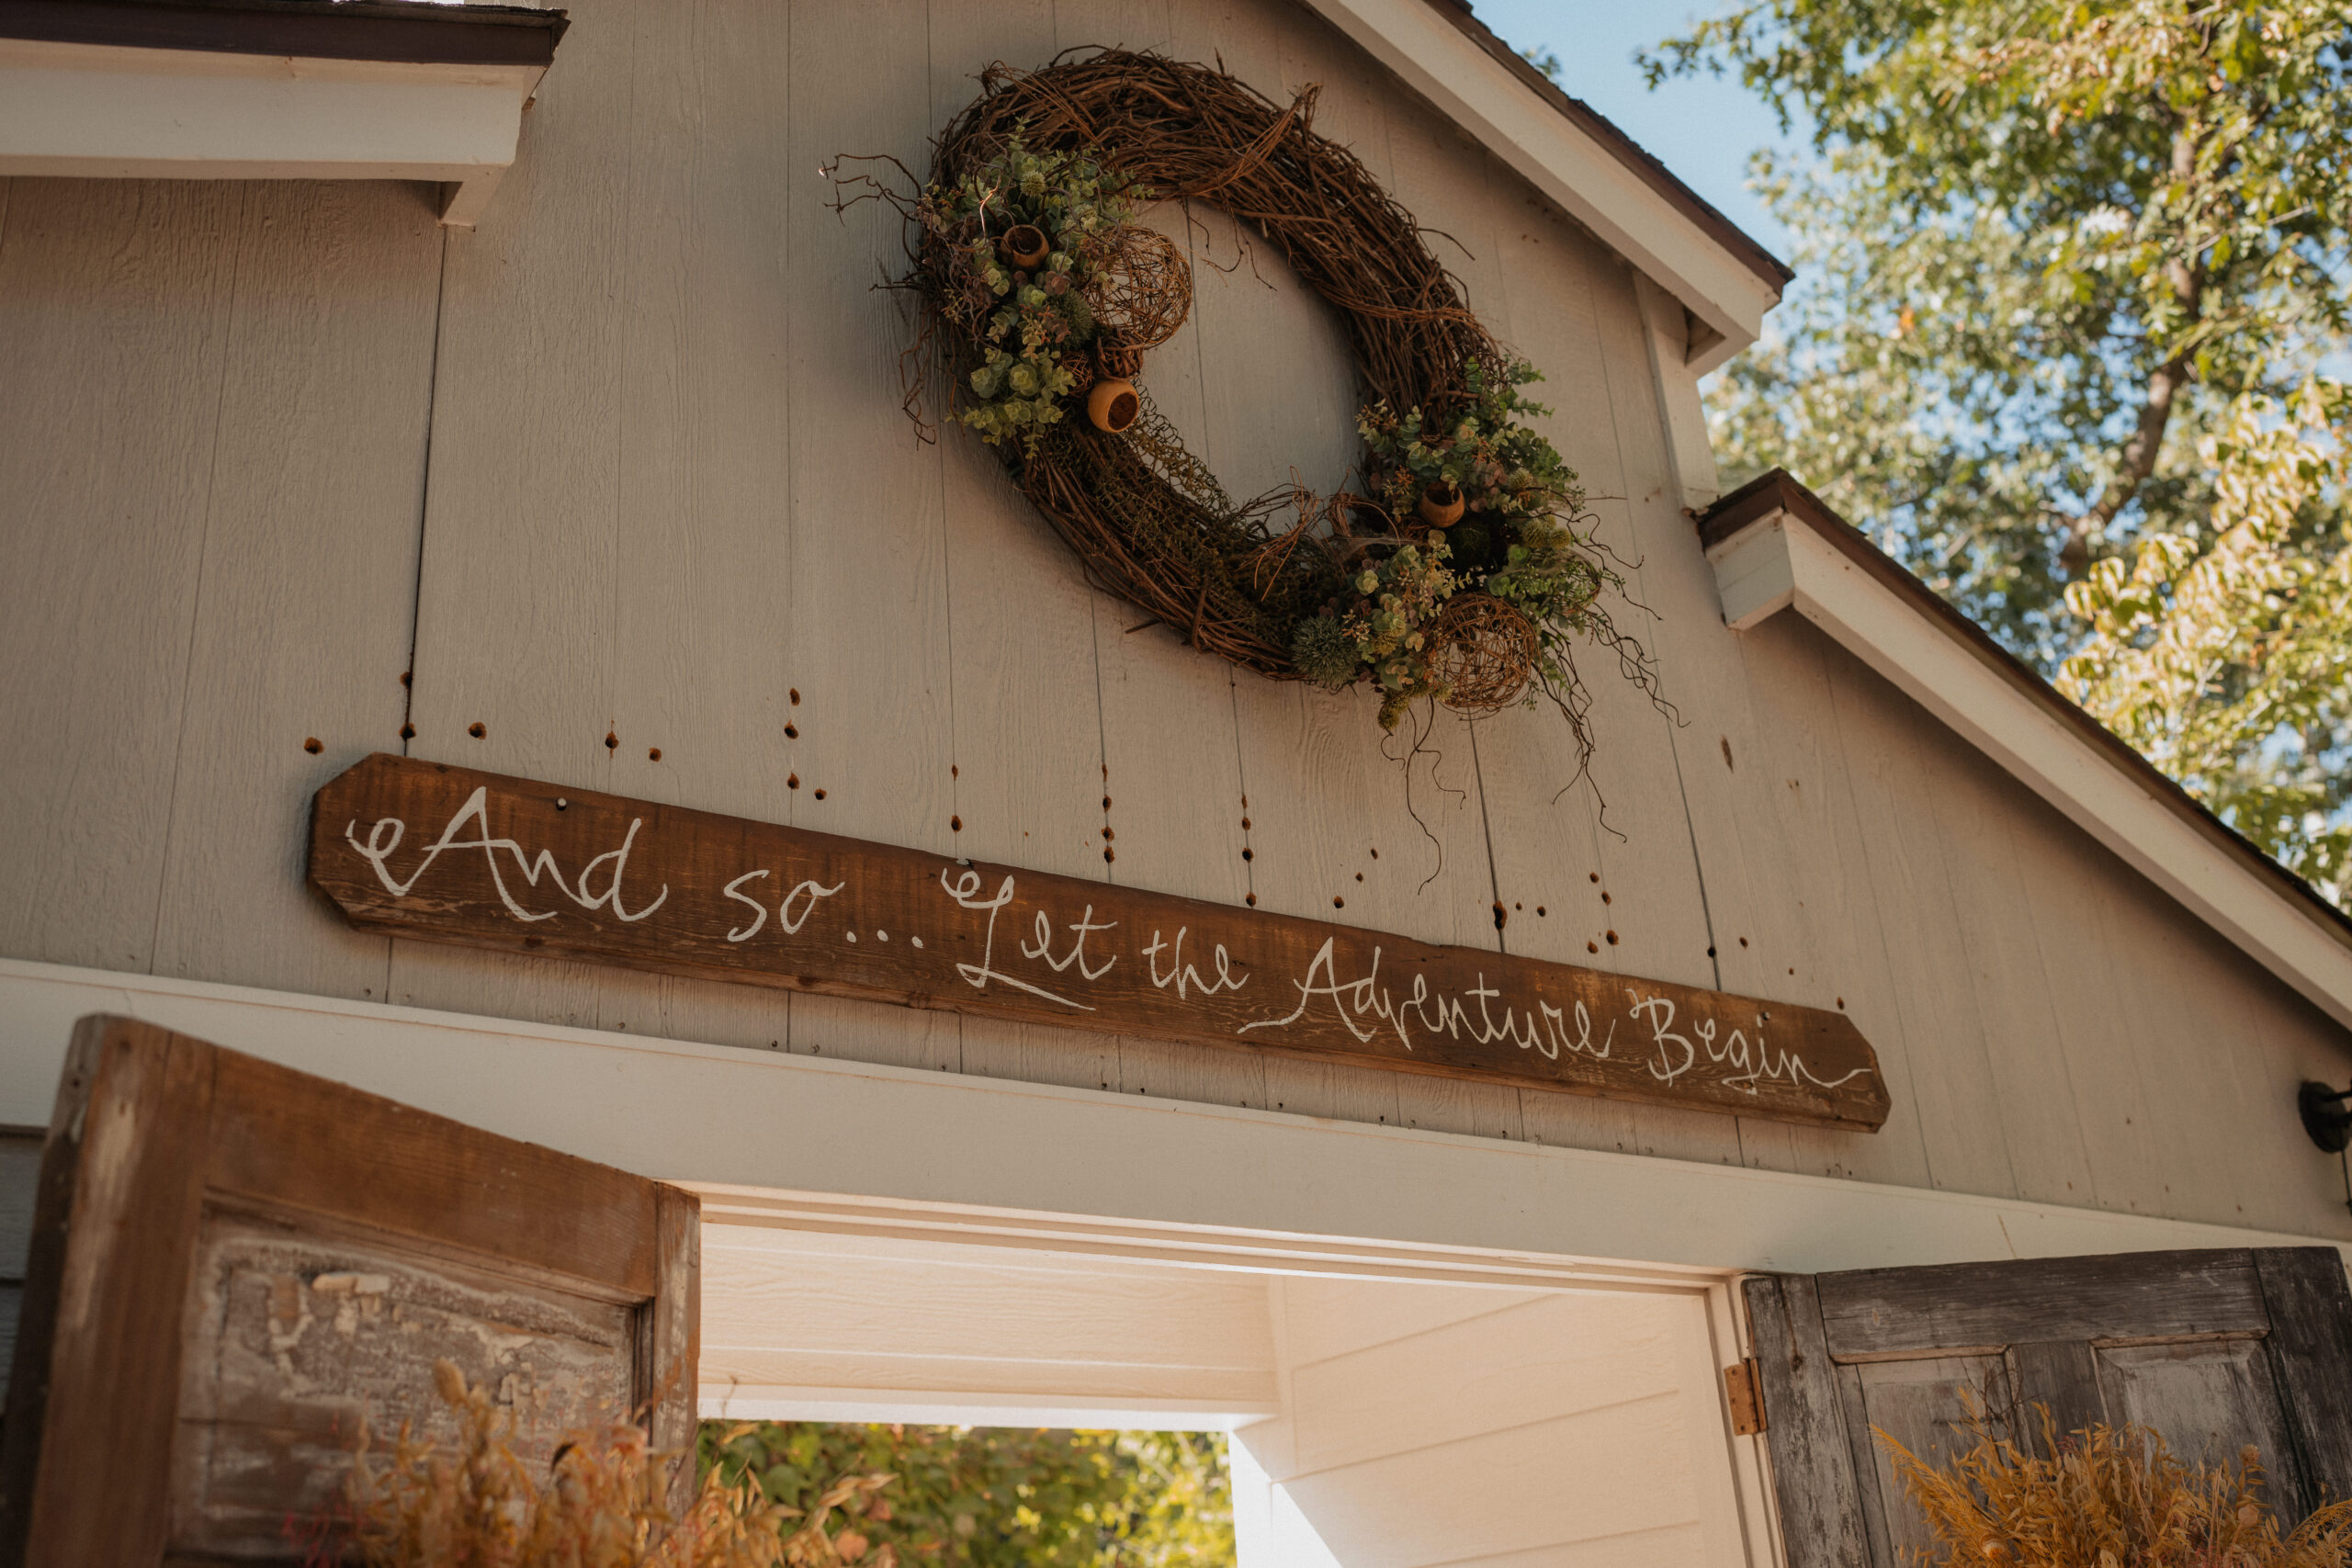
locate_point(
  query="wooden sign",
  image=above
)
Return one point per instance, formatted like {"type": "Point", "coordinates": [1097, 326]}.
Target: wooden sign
{"type": "Point", "coordinates": [446, 855]}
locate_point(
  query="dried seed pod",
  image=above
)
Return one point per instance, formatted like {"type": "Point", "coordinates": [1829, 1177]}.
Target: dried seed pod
{"type": "Point", "coordinates": [1114, 405]}
{"type": "Point", "coordinates": [1023, 245]}
{"type": "Point", "coordinates": [1442, 505]}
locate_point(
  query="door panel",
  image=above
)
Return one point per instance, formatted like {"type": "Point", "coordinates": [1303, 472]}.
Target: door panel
{"type": "Point", "coordinates": [2209, 1397]}
{"type": "Point", "coordinates": [234, 1265]}
{"type": "Point", "coordinates": [2214, 1350]}
{"type": "Point", "coordinates": [1920, 1402]}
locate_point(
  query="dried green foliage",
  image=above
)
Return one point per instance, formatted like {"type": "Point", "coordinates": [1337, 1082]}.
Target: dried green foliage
{"type": "Point", "coordinates": [2107, 1498]}
{"type": "Point", "coordinates": [1524, 537]}
{"type": "Point", "coordinates": [1023, 322]}
{"type": "Point", "coordinates": [1439, 394]}
{"type": "Point", "coordinates": [600, 1503]}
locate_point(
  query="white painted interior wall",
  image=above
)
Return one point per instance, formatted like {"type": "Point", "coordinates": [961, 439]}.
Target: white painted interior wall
{"type": "Point", "coordinates": [1428, 1424]}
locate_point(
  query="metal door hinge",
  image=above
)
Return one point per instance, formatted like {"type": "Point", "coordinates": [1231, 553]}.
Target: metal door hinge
{"type": "Point", "coordinates": [1746, 1397]}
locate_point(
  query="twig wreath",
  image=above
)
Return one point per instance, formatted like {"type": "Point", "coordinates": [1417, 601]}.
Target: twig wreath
{"type": "Point", "coordinates": [1463, 566]}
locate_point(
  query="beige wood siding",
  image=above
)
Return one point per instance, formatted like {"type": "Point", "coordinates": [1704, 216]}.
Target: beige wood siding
{"type": "Point", "coordinates": [628, 462]}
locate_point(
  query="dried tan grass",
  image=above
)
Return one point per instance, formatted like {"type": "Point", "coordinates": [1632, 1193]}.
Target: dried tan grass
{"type": "Point", "coordinates": [477, 1504]}
{"type": "Point", "coordinates": [2107, 1498]}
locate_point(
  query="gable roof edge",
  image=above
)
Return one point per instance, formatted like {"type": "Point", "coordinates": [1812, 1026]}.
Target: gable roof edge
{"type": "Point", "coordinates": [1774, 545]}
{"type": "Point", "coordinates": [1580, 161]}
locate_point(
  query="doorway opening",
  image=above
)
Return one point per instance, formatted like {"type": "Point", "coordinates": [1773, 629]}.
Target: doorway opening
{"type": "Point", "coordinates": [1382, 1404]}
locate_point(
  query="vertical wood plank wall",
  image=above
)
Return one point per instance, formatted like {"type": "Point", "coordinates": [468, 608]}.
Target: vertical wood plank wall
{"type": "Point", "coordinates": [624, 472]}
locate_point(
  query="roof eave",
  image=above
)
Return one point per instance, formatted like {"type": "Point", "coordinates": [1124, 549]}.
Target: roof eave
{"type": "Point", "coordinates": [1579, 162]}
{"type": "Point", "coordinates": [1775, 544]}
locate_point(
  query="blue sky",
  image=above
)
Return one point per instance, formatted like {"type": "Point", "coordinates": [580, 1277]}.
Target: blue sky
{"type": "Point", "coordinates": [1701, 128]}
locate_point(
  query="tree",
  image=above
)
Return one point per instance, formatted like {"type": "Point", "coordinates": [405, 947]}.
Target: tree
{"type": "Point", "coordinates": [2230, 665]}
{"type": "Point", "coordinates": [999, 1498]}
{"type": "Point", "coordinates": [2068, 267]}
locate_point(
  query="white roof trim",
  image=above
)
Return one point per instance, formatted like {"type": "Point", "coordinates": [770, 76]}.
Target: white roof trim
{"type": "Point", "coordinates": [1572, 168]}
{"type": "Point", "coordinates": [1784, 559]}
{"type": "Point", "coordinates": [103, 112]}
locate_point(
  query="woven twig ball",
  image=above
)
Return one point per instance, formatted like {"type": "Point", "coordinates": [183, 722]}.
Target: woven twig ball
{"type": "Point", "coordinates": [1146, 289]}
{"type": "Point", "coordinates": [1483, 650]}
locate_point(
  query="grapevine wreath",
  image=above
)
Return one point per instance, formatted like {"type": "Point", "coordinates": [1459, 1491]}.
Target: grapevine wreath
{"type": "Point", "coordinates": [1461, 568]}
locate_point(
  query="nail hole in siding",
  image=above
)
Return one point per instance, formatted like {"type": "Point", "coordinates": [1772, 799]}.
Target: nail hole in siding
{"type": "Point", "coordinates": [1251, 899]}
{"type": "Point", "coordinates": [1106, 803]}
{"type": "Point", "coordinates": [954, 824]}
{"type": "Point", "coordinates": [408, 732]}
{"type": "Point", "coordinates": [408, 678]}
{"type": "Point", "coordinates": [1109, 853]}
{"type": "Point", "coordinates": [313, 746]}
{"type": "Point", "coordinates": [792, 782]}
{"type": "Point", "coordinates": [1611, 937]}
{"type": "Point", "coordinates": [1743, 941]}
{"type": "Point", "coordinates": [1538, 912]}
{"type": "Point", "coordinates": [1338, 902]}
{"type": "Point", "coordinates": [1595, 875]}
{"type": "Point", "coordinates": [796, 696]}
{"type": "Point", "coordinates": [1501, 914]}
{"type": "Point", "coordinates": [654, 753]}
{"type": "Point", "coordinates": [477, 729]}
{"type": "Point", "coordinates": [612, 742]}
{"type": "Point", "coordinates": [792, 732]}
{"type": "Point", "coordinates": [1592, 947]}
{"type": "Point", "coordinates": [820, 795]}
{"type": "Point", "coordinates": [1248, 854]}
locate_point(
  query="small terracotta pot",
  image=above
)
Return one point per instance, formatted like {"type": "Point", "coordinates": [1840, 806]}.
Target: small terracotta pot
{"type": "Point", "coordinates": [1441, 506]}
{"type": "Point", "coordinates": [1114, 404]}
{"type": "Point", "coordinates": [1023, 245]}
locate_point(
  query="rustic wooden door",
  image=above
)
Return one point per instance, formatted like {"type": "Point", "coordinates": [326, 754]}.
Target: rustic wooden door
{"type": "Point", "coordinates": [2214, 1350]}
{"type": "Point", "coordinates": [234, 1264]}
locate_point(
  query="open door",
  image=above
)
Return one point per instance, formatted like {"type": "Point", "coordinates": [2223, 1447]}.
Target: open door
{"type": "Point", "coordinates": [2214, 1350]}
{"type": "Point", "coordinates": [233, 1264]}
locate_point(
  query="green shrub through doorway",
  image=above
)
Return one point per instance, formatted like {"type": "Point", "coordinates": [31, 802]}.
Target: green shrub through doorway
{"type": "Point", "coordinates": [998, 1497]}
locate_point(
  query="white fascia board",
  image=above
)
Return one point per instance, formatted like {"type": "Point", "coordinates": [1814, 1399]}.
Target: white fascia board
{"type": "Point", "coordinates": [106, 112]}
{"type": "Point", "coordinates": [1779, 561]}
{"type": "Point", "coordinates": [1582, 177]}
{"type": "Point", "coordinates": [998, 1161]}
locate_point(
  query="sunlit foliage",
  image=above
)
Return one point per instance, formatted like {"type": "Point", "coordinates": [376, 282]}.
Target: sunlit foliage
{"type": "Point", "coordinates": [2067, 267]}
{"type": "Point", "coordinates": [1001, 1497]}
